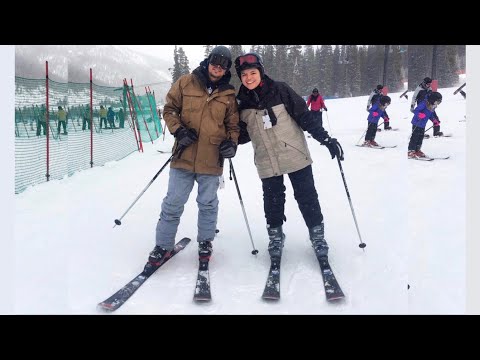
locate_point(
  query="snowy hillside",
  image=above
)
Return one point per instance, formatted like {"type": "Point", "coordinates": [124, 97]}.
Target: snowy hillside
{"type": "Point", "coordinates": [410, 214]}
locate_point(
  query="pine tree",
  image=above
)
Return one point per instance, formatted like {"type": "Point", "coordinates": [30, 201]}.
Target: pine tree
{"type": "Point", "coordinates": [281, 66]}
{"type": "Point", "coordinates": [362, 60]}
{"type": "Point", "coordinates": [310, 71]}
{"type": "Point", "coordinates": [235, 50]}
{"type": "Point", "coordinates": [208, 50]}
{"type": "Point", "coordinates": [269, 59]}
{"type": "Point", "coordinates": [337, 76]}
{"type": "Point", "coordinates": [394, 69]}
{"type": "Point", "coordinates": [176, 70]}
{"type": "Point", "coordinates": [353, 71]}
{"type": "Point", "coordinates": [419, 64]}
{"type": "Point", "coordinates": [183, 61]}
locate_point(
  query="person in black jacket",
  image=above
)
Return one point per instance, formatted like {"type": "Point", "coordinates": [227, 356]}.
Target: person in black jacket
{"type": "Point", "coordinates": [273, 117]}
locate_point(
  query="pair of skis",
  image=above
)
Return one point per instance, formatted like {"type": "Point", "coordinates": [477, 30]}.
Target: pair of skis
{"type": "Point", "coordinates": [202, 287]}
{"type": "Point", "coordinates": [333, 290]}
{"type": "Point", "coordinates": [202, 292]}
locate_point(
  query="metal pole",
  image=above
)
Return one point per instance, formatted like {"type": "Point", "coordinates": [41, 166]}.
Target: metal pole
{"type": "Point", "coordinates": [362, 244]}
{"type": "Point", "coordinates": [254, 251]}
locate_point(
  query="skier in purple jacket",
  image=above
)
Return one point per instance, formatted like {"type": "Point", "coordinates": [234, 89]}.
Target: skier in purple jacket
{"type": "Point", "coordinates": [423, 112]}
{"type": "Point", "coordinates": [377, 111]}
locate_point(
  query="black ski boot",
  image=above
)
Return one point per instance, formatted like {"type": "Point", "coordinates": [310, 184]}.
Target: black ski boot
{"type": "Point", "coordinates": [155, 257]}
{"type": "Point", "coordinates": [277, 239]}
{"type": "Point", "coordinates": [205, 250]}
{"type": "Point", "coordinates": [317, 237]}
{"type": "Point", "coordinates": [436, 131]}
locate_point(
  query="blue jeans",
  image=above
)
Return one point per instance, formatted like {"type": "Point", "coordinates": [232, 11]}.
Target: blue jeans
{"type": "Point", "coordinates": [180, 185]}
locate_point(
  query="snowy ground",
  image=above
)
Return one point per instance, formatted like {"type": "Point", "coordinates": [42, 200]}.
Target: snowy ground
{"type": "Point", "coordinates": [68, 257]}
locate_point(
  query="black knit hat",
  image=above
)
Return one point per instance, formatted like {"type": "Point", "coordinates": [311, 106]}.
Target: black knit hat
{"type": "Point", "coordinates": [221, 52]}
{"type": "Point", "coordinates": [427, 80]}
{"type": "Point", "coordinates": [385, 100]}
{"type": "Point", "coordinates": [434, 97]}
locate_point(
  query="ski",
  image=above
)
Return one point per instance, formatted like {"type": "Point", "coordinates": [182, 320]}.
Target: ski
{"type": "Point", "coordinates": [460, 88]}
{"type": "Point", "coordinates": [392, 129]}
{"type": "Point", "coordinates": [428, 158]}
{"type": "Point", "coordinates": [378, 147]}
{"type": "Point", "coordinates": [332, 288]}
{"type": "Point", "coordinates": [440, 158]}
{"type": "Point", "coordinates": [371, 147]}
{"type": "Point", "coordinates": [164, 152]}
{"type": "Point", "coordinates": [272, 286]}
{"type": "Point", "coordinates": [422, 159]}
{"type": "Point", "coordinates": [122, 295]}
{"type": "Point", "coordinates": [427, 136]}
{"type": "Point", "coordinates": [202, 288]}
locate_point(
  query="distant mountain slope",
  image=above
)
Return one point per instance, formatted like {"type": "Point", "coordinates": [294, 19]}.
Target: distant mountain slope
{"type": "Point", "coordinates": [110, 65]}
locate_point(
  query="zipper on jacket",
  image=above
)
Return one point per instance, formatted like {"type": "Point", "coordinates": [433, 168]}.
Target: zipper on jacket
{"type": "Point", "coordinates": [293, 147]}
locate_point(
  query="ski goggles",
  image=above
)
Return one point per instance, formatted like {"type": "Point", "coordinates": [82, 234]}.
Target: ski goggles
{"type": "Point", "coordinates": [248, 59]}
{"type": "Point", "coordinates": [218, 60]}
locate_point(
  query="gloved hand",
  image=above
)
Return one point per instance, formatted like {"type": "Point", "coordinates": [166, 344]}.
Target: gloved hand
{"type": "Point", "coordinates": [325, 108]}
{"type": "Point", "coordinates": [368, 108]}
{"type": "Point", "coordinates": [185, 137]}
{"type": "Point", "coordinates": [334, 147]}
{"type": "Point", "coordinates": [227, 149]}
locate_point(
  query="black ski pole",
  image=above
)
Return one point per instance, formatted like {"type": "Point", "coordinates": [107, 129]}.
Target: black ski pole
{"type": "Point", "coordinates": [232, 171]}
{"type": "Point", "coordinates": [362, 244]}
{"type": "Point", "coordinates": [179, 150]}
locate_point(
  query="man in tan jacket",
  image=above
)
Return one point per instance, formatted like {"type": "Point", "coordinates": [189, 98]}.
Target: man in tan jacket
{"type": "Point", "coordinates": [201, 112]}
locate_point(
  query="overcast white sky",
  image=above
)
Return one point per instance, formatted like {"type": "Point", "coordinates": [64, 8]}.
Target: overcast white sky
{"type": "Point", "coordinates": [195, 53]}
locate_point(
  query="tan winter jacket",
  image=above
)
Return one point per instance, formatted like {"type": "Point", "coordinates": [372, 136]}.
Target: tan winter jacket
{"type": "Point", "coordinates": [279, 150]}
{"type": "Point", "coordinates": [214, 117]}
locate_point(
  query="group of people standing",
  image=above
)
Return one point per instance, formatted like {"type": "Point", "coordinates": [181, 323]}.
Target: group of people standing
{"type": "Point", "coordinates": [209, 121]}
{"type": "Point", "coordinates": [423, 105]}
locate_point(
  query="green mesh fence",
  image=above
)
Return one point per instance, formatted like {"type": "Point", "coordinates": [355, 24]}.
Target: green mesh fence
{"type": "Point", "coordinates": [70, 148]}
{"type": "Point", "coordinates": [149, 123]}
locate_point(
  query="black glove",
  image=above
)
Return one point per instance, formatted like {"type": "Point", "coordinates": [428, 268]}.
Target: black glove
{"type": "Point", "coordinates": [227, 149]}
{"type": "Point", "coordinates": [334, 147]}
{"type": "Point", "coordinates": [325, 109]}
{"type": "Point", "coordinates": [185, 137]}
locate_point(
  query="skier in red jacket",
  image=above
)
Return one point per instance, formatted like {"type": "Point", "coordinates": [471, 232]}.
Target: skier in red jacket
{"type": "Point", "coordinates": [316, 104]}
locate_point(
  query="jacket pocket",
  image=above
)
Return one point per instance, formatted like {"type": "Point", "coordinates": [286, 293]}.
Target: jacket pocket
{"type": "Point", "coordinates": [192, 103]}
{"type": "Point", "coordinates": [218, 109]}
{"type": "Point", "coordinates": [213, 158]}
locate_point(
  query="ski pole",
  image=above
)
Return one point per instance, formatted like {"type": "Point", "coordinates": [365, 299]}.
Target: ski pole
{"type": "Point", "coordinates": [179, 150]}
{"type": "Point", "coordinates": [328, 121]}
{"type": "Point", "coordinates": [362, 244]}
{"type": "Point", "coordinates": [232, 171]}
